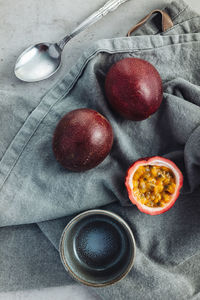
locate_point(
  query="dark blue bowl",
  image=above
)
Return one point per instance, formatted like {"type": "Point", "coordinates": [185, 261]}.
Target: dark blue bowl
{"type": "Point", "coordinates": [97, 247]}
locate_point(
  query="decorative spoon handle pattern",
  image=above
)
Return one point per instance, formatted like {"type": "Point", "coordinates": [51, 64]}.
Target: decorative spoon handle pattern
{"type": "Point", "coordinates": [97, 15]}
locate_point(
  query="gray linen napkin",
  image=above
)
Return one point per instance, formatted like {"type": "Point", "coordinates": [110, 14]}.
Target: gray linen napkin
{"type": "Point", "coordinates": [34, 188]}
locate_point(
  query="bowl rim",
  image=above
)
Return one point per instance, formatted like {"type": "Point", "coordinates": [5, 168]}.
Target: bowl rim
{"type": "Point", "coordinates": [79, 217]}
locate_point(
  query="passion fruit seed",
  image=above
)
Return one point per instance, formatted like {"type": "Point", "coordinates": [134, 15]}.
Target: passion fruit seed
{"type": "Point", "coordinates": [153, 185]}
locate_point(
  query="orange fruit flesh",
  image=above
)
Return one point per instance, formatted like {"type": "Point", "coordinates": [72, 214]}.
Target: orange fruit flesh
{"type": "Point", "coordinates": [154, 185]}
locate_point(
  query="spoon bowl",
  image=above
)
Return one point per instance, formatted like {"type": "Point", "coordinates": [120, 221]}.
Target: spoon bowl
{"type": "Point", "coordinates": [38, 62]}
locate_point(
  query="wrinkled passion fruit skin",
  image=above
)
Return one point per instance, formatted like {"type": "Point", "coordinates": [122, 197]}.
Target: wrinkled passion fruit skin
{"type": "Point", "coordinates": [155, 160]}
{"type": "Point", "coordinates": [82, 139]}
{"type": "Point", "coordinates": [134, 88]}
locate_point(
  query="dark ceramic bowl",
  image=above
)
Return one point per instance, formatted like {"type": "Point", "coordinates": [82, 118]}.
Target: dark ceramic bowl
{"type": "Point", "coordinates": [97, 247]}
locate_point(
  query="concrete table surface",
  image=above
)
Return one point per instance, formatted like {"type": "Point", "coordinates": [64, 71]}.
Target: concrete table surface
{"type": "Point", "coordinates": [23, 22]}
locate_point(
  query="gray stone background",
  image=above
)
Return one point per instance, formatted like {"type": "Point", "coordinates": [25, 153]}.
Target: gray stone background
{"type": "Point", "coordinates": [23, 22]}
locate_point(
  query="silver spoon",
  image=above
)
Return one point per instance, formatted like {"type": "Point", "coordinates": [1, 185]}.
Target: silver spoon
{"type": "Point", "coordinates": [40, 61]}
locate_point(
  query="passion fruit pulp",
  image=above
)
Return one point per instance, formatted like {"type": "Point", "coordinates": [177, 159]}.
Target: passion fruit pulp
{"type": "Point", "coordinates": [133, 88]}
{"type": "Point", "coordinates": [154, 184]}
{"type": "Point", "coordinates": [82, 139]}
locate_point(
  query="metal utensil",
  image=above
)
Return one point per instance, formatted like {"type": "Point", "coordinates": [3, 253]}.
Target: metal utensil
{"type": "Point", "coordinates": [40, 61]}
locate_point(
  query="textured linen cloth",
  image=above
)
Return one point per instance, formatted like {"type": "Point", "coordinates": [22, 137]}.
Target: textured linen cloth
{"type": "Point", "coordinates": [35, 190]}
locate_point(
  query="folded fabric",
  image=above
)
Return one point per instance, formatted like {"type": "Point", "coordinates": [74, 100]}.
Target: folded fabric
{"type": "Point", "coordinates": [34, 188]}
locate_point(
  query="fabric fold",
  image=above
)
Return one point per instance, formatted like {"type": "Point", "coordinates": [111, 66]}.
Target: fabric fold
{"type": "Point", "coordinates": [29, 168]}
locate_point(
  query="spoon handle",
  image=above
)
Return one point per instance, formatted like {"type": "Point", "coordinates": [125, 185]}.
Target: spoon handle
{"type": "Point", "coordinates": [97, 15]}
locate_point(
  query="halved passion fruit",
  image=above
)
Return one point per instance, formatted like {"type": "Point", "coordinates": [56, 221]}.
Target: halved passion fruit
{"type": "Point", "coordinates": [154, 184]}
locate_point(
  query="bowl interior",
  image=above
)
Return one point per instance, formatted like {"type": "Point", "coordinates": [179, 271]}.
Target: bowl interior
{"type": "Point", "coordinates": [97, 248]}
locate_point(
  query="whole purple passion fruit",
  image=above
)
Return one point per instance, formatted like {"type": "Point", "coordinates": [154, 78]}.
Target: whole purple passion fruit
{"type": "Point", "coordinates": [82, 139]}
{"type": "Point", "coordinates": [134, 88]}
